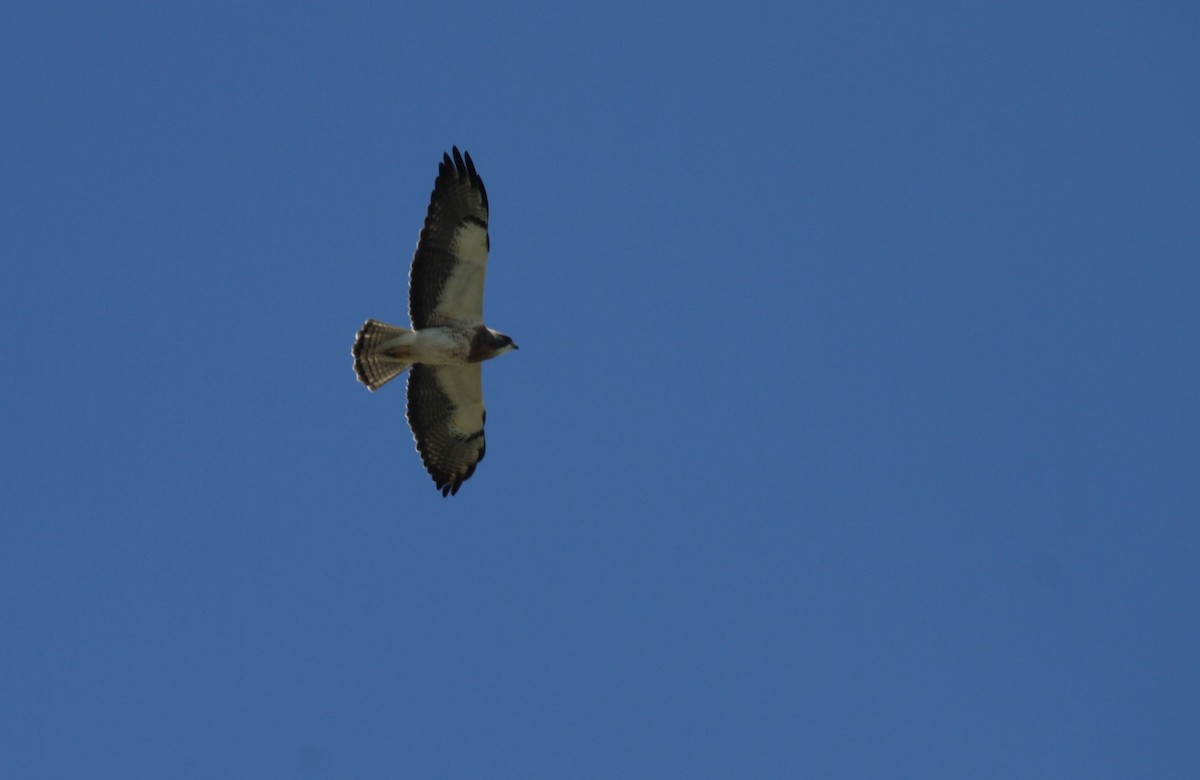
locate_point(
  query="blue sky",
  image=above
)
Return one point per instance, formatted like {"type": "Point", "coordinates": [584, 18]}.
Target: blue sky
{"type": "Point", "coordinates": [854, 431]}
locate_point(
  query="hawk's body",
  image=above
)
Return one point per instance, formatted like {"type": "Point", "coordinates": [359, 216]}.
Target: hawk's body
{"type": "Point", "coordinates": [448, 340]}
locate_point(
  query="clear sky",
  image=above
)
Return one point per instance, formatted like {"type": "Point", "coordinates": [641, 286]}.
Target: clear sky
{"type": "Point", "coordinates": [855, 430]}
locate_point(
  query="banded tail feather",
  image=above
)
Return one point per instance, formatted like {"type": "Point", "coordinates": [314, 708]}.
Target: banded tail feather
{"type": "Point", "coordinates": [376, 361]}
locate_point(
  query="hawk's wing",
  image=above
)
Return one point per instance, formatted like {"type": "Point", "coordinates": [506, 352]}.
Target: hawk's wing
{"type": "Point", "coordinates": [446, 282]}
{"type": "Point", "coordinates": [446, 414]}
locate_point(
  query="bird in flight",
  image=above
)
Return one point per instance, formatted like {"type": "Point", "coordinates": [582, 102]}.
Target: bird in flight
{"type": "Point", "coordinates": [445, 348]}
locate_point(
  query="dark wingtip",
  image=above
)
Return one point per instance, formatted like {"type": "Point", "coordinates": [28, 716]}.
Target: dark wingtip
{"type": "Point", "coordinates": [462, 166]}
{"type": "Point", "coordinates": [449, 487]}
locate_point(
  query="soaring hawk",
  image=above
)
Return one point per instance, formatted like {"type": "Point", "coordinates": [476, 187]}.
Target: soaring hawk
{"type": "Point", "coordinates": [448, 342]}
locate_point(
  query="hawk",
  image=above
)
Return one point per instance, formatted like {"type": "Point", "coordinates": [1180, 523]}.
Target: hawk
{"type": "Point", "coordinates": [444, 349]}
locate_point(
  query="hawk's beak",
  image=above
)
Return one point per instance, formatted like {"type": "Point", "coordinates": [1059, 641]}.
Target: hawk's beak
{"type": "Point", "coordinates": [515, 345]}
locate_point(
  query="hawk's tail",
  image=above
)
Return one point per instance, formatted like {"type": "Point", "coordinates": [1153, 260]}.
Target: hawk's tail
{"type": "Point", "coordinates": [379, 353]}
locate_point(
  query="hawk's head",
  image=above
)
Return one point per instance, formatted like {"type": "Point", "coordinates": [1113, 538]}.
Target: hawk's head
{"type": "Point", "coordinates": [487, 344]}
